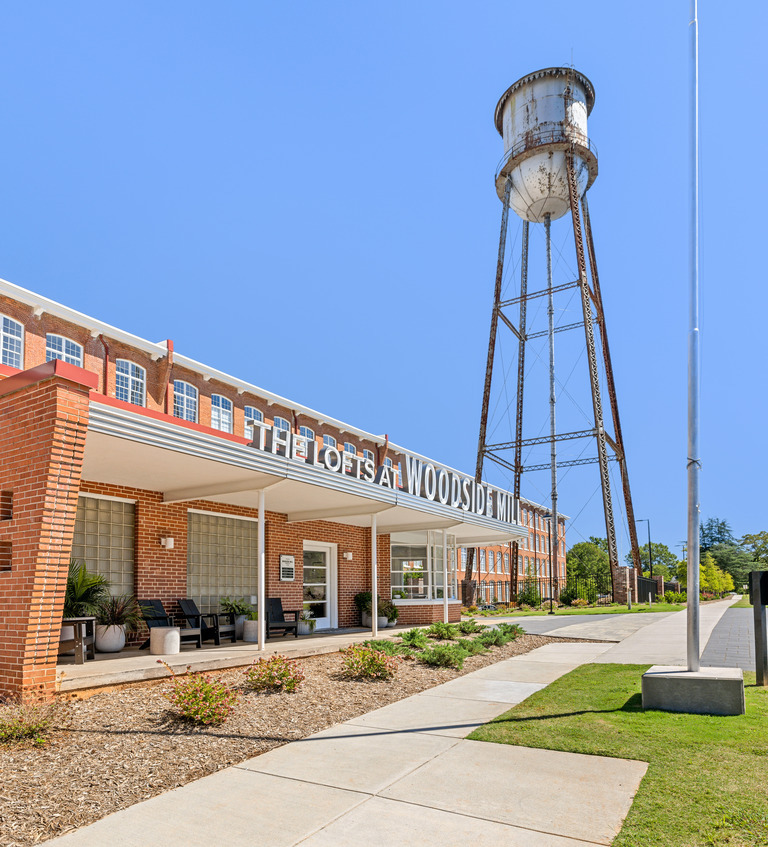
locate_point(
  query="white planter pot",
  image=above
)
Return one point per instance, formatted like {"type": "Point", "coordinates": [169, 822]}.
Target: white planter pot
{"type": "Point", "coordinates": [365, 618]}
{"type": "Point", "coordinates": [239, 621]}
{"type": "Point", "coordinates": [392, 623]}
{"type": "Point", "coordinates": [110, 639]}
{"type": "Point", "coordinates": [250, 631]}
{"type": "Point", "coordinates": [382, 621]}
{"type": "Point", "coordinates": [306, 628]}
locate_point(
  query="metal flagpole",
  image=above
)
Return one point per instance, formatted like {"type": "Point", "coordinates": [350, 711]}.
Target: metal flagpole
{"type": "Point", "coordinates": [694, 463]}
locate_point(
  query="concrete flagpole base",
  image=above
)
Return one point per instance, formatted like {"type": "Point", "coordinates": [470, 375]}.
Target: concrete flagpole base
{"type": "Point", "coordinates": [708, 691]}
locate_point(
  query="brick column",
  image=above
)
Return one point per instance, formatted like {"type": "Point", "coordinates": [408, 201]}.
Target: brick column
{"type": "Point", "coordinates": [623, 580]}
{"type": "Point", "coordinates": [659, 580]}
{"type": "Point", "coordinates": [43, 421]}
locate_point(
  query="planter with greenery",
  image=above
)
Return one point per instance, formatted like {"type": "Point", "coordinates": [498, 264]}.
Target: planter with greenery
{"type": "Point", "coordinates": [363, 601]}
{"type": "Point", "coordinates": [240, 609]}
{"type": "Point", "coordinates": [307, 623]}
{"type": "Point", "coordinates": [115, 616]}
{"type": "Point", "coordinates": [83, 593]}
{"type": "Point", "coordinates": [251, 627]}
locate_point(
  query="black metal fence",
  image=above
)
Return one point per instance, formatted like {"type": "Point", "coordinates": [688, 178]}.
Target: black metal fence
{"type": "Point", "coordinates": [646, 588]}
{"type": "Point", "coordinates": [595, 590]}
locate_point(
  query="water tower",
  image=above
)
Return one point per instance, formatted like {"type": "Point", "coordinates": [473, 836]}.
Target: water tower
{"type": "Point", "coordinates": [547, 168]}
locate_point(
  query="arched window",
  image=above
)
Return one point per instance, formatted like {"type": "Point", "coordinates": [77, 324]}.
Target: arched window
{"type": "Point", "coordinates": [329, 441]}
{"type": "Point", "coordinates": [368, 454]}
{"type": "Point", "coordinates": [130, 382]}
{"type": "Point", "coordinates": [184, 401]}
{"type": "Point", "coordinates": [58, 347]}
{"type": "Point", "coordinates": [281, 423]}
{"type": "Point", "coordinates": [350, 448]}
{"type": "Point", "coordinates": [221, 413]}
{"type": "Point", "coordinates": [251, 414]}
{"type": "Point", "coordinates": [306, 432]}
{"type": "Point", "coordinates": [12, 340]}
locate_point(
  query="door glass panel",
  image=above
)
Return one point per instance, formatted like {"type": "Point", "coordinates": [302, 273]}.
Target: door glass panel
{"type": "Point", "coordinates": [315, 583]}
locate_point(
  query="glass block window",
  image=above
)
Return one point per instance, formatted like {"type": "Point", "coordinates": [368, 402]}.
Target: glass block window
{"type": "Point", "coordinates": [58, 347]}
{"type": "Point", "coordinates": [184, 401]}
{"type": "Point", "coordinates": [12, 339]}
{"type": "Point", "coordinates": [329, 441]}
{"type": "Point", "coordinates": [130, 382]}
{"type": "Point", "coordinates": [104, 540]}
{"type": "Point", "coordinates": [251, 414]}
{"type": "Point", "coordinates": [222, 555]}
{"type": "Point", "coordinates": [281, 423]}
{"type": "Point", "coordinates": [350, 448]}
{"type": "Point", "coordinates": [221, 413]}
{"type": "Point", "coordinates": [307, 432]}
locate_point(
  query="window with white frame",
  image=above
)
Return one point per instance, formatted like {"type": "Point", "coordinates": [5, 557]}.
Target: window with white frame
{"type": "Point", "coordinates": [329, 441]}
{"type": "Point", "coordinates": [498, 562]}
{"type": "Point", "coordinates": [350, 448]}
{"type": "Point", "coordinates": [482, 560]}
{"type": "Point", "coordinates": [416, 565]}
{"type": "Point", "coordinates": [506, 563]}
{"type": "Point", "coordinates": [306, 432]}
{"type": "Point", "coordinates": [58, 347]}
{"type": "Point", "coordinates": [281, 423]}
{"type": "Point", "coordinates": [130, 382]}
{"type": "Point", "coordinates": [184, 401]}
{"type": "Point", "coordinates": [251, 414]}
{"type": "Point", "coordinates": [221, 413]}
{"type": "Point", "coordinates": [12, 335]}
{"type": "Point", "coordinates": [387, 462]}
{"type": "Point", "coordinates": [491, 562]}
{"type": "Point", "coordinates": [463, 558]}
{"type": "Point", "coordinates": [368, 455]}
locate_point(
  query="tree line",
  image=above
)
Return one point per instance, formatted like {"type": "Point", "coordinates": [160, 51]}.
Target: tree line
{"type": "Point", "coordinates": [725, 560]}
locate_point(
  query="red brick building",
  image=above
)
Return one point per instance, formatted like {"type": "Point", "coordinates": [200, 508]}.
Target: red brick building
{"type": "Point", "coordinates": [176, 480]}
{"type": "Point", "coordinates": [493, 563]}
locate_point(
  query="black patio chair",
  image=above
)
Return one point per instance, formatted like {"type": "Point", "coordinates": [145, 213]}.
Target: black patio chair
{"type": "Point", "coordinates": [155, 615]}
{"type": "Point", "coordinates": [277, 620]}
{"type": "Point", "coordinates": [212, 624]}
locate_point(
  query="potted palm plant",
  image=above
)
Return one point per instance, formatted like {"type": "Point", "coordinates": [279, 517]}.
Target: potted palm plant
{"type": "Point", "coordinates": [83, 593]}
{"type": "Point", "coordinates": [240, 609]}
{"type": "Point", "coordinates": [115, 615]}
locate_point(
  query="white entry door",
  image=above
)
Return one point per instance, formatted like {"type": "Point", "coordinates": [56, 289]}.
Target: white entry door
{"type": "Point", "coordinates": [320, 584]}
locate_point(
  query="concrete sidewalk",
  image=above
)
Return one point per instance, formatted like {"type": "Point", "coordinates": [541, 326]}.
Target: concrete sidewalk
{"type": "Point", "coordinates": [405, 773]}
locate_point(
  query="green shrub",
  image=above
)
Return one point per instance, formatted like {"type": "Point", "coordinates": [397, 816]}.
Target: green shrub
{"type": "Point", "coordinates": [444, 656]}
{"type": "Point", "coordinates": [199, 698]}
{"type": "Point", "coordinates": [383, 645]}
{"type": "Point", "coordinates": [443, 631]}
{"type": "Point", "coordinates": [473, 646]}
{"type": "Point", "coordinates": [362, 662]}
{"type": "Point", "coordinates": [277, 673]}
{"type": "Point", "coordinates": [27, 721]}
{"type": "Point", "coordinates": [579, 602]}
{"type": "Point", "coordinates": [415, 638]}
{"type": "Point", "coordinates": [469, 627]}
{"type": "Point", "coordinates": [529, 594]}
{"type": "Point", "coordinates": [510, 630]}
{"type": "Point", "coordinates": [492, 638]}
{"type": "Point", "coordinates": [675, 597]}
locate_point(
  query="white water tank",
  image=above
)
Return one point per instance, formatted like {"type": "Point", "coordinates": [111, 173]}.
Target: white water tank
{"type": "Point", "coordinates": [540, 117]}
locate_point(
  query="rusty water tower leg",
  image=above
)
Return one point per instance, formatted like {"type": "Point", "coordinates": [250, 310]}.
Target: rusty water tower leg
{"type": "Point", "coordinates": [594, 374]}
{"type": "Point", "coordinates": [619, 445]}
{"type": "Point", "coordinates": [468, 573]}
{"type": "Point", "coordinates": [520, 390]}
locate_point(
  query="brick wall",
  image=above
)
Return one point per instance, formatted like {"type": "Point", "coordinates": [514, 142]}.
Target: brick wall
{"type": "Point", "coordinates": [43, 420]}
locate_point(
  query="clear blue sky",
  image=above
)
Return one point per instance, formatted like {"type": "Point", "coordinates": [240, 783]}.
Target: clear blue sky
{"type": "Point", "coordinates": [301, 194]}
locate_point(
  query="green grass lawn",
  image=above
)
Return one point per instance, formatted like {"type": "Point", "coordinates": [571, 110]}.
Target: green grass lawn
{"type": "Point", "coordinates": [743, 603]}
{"type": "Point", "coordinates": [637, 608]}
{"type": "Point", "coordinates": [707, 780]}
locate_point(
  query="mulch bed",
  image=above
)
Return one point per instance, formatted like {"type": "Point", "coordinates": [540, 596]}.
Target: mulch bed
{"type": "Point", "coordinates": [123, 746]}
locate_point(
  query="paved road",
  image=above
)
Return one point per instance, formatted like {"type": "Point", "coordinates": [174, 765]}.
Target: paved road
{"type": "Point", "coordinates": [732, 643]}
